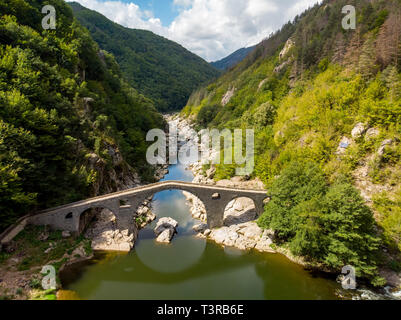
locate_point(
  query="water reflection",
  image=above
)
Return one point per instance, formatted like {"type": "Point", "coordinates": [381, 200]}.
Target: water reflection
{"type": "Point", "coordinates": [174, 257]}
{"type": "Point", "coordinates": [192, 268]}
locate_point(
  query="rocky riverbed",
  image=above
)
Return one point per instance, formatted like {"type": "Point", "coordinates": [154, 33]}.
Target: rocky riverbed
{"type": "Point", "coordinates": [106, 236]}
{"type": "Point", "coordinates": [240, 229]}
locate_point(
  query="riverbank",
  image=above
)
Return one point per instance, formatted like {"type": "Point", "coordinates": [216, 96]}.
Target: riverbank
{"type": "Point", "coordinates": [241, 231]}
{"type": "Point", "coordinates": [22, 258]}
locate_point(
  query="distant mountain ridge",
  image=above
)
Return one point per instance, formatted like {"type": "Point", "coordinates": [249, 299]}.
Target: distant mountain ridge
{"type": "Point", "coordinates": [231, 60]}
{"type": "Point", "coordinates": [159, 68]}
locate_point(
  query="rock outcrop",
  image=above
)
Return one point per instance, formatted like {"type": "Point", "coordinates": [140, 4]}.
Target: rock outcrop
{"type": "Point", "coordinates": [372, 133]}
{"type": "Point", "coordinates": [358, 131]}
{"type": "Point", "coordinates": [384, 145]}
{"type": "Point", "coordinates": [120, 177]}
{"type": "Point", "coordinates": [288, 46]}
{"type": "Point", "coordinates": [165, 230]}
{"type": "Point", "coordinates": [106, 236]}
{"type": "Point", "coordinates": [227, 96]}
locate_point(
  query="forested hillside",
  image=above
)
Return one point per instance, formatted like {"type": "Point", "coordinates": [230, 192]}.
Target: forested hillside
{"type": "Point", "coordinates": [70, 127]}
{"type": "Point", "coordinates": [158, 68]}
{"type": "Point", "coordinates": [326, 106]}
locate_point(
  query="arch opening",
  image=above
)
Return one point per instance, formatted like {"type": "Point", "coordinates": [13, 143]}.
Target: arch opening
{"type": "Point", "coordinates": [175, 203]}
{"type": "Point", "coordinates": [69, 216]}
{"type": "Point", "coordinates": [240, 210]}
{"type": "Point", "coordinates": [92, 220]}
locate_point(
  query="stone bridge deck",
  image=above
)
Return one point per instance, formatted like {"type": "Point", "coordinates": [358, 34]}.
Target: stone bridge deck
{"type": "Point", "coordinates": [215, 199]}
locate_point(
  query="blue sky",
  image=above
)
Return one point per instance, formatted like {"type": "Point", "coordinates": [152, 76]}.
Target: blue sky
{"type": "Point", "coordinates": [163, 9]}
{"type": "Point", "coordinates": [211, 29]}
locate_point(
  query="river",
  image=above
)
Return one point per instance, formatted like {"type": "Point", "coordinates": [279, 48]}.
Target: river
{"type": "Point", "coordinates": [193, 268]}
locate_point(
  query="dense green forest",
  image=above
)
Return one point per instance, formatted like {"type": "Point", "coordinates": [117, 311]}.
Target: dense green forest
{"type": "Point", "coordinates": [65, 112]}
{"type": "Point", "coordinates": [326, 106]}
{"type": "Point", "coordinates": [158, 68]}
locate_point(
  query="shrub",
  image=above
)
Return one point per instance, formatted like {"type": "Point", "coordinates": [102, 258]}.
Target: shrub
{"type": "Point", "coordinates": [206, 115]}
{"type": "Point", "coordinates": [325, 223]}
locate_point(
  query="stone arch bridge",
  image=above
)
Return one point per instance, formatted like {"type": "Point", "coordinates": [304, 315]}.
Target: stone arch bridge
{"type": "Point", "coordinates": [214, 198]}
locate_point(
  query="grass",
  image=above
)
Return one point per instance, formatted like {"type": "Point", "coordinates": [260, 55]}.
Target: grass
{"type": "Point", "coordinates": [140, 220]}
{"type": "Point", "coordinates": [3, 257]}
{"type": "Point", "coordinates": [33, 250]}
{"type": "Point", "coordinates": [395, 265]}
{"type": "Point", "coordinates": [44, 295]}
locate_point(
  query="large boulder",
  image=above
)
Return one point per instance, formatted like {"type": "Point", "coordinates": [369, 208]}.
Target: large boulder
{"type": "Point", "coordinates": [383, 146]}
{"type": "Point", "coordinates": [265, 242]}
{"type": "Point", "coordinates": [372, 133]}
{"type": "Point", "coordinates": [165, 236]}
{"type": "Point", "coordinates": [107, 236]}
{"type": "Point", "coordinates": [165, 223]}
{"type": "Point", "coordinates": [251, 230]}
{"type": "Point", "coordinates": [202, 227]}
{"type": "Point", "coordinates": [220, 235]}
{"type": "Point", "coordinates": [358, 130]}
{"type": "Point", "coordinates": [165, 229]}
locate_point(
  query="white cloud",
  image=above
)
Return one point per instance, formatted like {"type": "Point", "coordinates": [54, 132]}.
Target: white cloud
{"type": "Point", "coordinates": [210, 28]}
{"type": "Point", "coordinates": [183, 3]}
{"type": "Point", "coordinates": [126, 14]}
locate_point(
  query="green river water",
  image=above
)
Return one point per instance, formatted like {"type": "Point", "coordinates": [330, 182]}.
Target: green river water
{"type": "Point", "coordinates": [193, 268]}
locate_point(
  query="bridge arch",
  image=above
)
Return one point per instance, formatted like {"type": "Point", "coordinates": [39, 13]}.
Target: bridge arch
{"type": "Point", "coordinates": [189, 194]}
{"type": "Point", "coordinates": [245, 205]}
{"type": "Point", "coordinates": [214, 198]}
{"type": "Point", "coordinates": [88, 215]}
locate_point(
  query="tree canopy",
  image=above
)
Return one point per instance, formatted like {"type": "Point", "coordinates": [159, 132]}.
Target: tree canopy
{"type": "Point", "coordinates": [62, 100]}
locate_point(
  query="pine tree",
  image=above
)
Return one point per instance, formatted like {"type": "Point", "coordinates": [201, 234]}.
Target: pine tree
{"type": "Point", "coordinates": [367, 61]}
{"type": "Point", "coordinates": [393, 82]}
{"type": "Point", "coordinates": [339, 49]}
{"type": "Point", "coordinates": [388, 41]}
{"type": "Point", "coordinates": [351, 56]}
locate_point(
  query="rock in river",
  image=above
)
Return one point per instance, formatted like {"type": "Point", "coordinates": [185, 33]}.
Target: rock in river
{"type": "Point", "coordinates": [165, 229]}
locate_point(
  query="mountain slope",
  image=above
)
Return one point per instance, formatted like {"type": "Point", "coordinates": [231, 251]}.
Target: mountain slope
{"type": "Point", "coordinates": [325, 104]}
{"type": "Point", "coordinates": [69, 126]}
{"type": "Point", "coordinates": [158, 68]}
{"type": "Point", "coordinates": [232, 59]}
